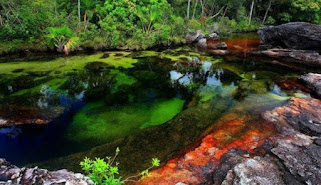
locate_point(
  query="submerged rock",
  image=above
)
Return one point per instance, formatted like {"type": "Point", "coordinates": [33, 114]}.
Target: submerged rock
{"type": "Point", "coordinates": [295, 35]}
{"type": "Point", "coordinates": [313, 81]}
{"type": "Point", "coordinates": [22, 115]}
{"type": "Point", "coordinates": [96, 66]}
{"type": "Point", "coordinates": [10, 175]}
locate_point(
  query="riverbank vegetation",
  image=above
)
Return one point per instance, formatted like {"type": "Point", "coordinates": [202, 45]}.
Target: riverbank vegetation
{"type": "Point", "coordinates": [65, 25]}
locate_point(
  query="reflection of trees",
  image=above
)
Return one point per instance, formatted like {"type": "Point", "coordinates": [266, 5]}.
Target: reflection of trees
{"type": "Point", "coordinates": [94, 85]}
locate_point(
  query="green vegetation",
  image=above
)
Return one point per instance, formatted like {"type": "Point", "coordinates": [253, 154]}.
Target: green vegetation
{"type": "Point", "coordinates": [106, 172]}
{"type": "Point", "coordinates": [133, 24]}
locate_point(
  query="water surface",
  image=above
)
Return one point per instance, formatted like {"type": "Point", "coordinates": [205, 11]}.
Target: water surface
{"type": "Point", "coordinates": [150, 104]}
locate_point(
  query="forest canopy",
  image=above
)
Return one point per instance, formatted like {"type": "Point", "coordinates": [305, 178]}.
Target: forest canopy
{"type": "Point", "coordinates": [139, 24]}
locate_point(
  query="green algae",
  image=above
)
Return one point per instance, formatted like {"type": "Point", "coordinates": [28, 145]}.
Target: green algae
{"type": "Point", "coordinates": [97, 123]}
{"type": "Point", "coordinates": [67, 64]}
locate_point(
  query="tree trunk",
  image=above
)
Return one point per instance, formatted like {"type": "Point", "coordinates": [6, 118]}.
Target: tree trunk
{"type": "Point", "coordinates": [188, 8]}
{"type": "Point", "coordinates": [196, 3]}
{"type": "Point", "coordinates": [213, 8]}
{"type": "Point", "coordinates": [202, 6]}
{"type": "Point", "coordinates": [267, 11]}
{"type": "Point", "coordinates": [251, 12]}
{"type": "Point", "coordinates": [79, 12]}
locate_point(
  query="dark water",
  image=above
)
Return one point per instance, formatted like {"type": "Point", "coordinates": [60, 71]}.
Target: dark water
{"type": "Point", "coordinates": [100, 99]}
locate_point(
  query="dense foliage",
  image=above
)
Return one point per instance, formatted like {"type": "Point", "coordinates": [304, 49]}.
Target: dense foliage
{"type": "Point", "coordinates": [106, 172]}
{"type": "Point", "coordinates": [137, 24]}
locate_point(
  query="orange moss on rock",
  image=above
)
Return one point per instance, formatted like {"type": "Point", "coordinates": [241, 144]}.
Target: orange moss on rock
{"type": "Point", "coordinates": [196, 165]}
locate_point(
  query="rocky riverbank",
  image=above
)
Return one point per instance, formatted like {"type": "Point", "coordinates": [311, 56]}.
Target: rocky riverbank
{"type": "Point", "coordinates": [11, 175]}
{"type": "Point", "coordinates": [291, 156]}
{"type": "Point", "coordinates": [296, 42]}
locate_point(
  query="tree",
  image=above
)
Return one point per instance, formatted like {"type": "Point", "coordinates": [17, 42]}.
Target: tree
{"type": "Point", "coordinates": [63, 38]}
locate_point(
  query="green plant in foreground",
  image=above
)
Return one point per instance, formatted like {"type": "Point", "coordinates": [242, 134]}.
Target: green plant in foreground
{"type": "Point", "coordinates": [106, 172]}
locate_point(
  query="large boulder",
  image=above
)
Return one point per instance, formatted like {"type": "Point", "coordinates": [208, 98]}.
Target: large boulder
{"type": "Point", "coordinates": [313, 81]}
{"type": "Point", "coordinates": [213, 36]}
{"type": "Point", "coordinates": [194, 36]}
{"type": "Point", "coordinates": [295, 35]}
{"type": "Point", "coordinates": [10, 175]}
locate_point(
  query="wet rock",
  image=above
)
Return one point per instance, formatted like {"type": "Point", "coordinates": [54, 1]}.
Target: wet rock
{"type": "Point", "coordinates": [219, 52]}
{"type": "Point", "coordinates": [105, 55]}
{"type": "Point", "coordinates": [302, 114]}
{"type": "Point", "coordinates": [302, 161]}
{"type": "Point", "coordinates": [194, 36]}
{"type": "Point", "coordinates": [309, 58]}
{"type": "Point", "coordinates": [221, 46]}
{"type": "Point", "coordinates": [213, 36]}
{"type": "Point", "coordinates": [17, 70]}
{"type": "Point", "coordinates": [228, 161]}
{"type": "Point", "coordinates": [10, 175]}
{"type": "Point", "coordinates": [295, 35]}
{"type": "Point", "coordinates": [257, 170]}
{"type": "Point", "coordinates": [202, 43]}
{"type": "Point", "coordinates": [21, 115]}
{"type": "Point", "coordinates": [296, 150]}
{"type": "Point", "coordinates": [313, 81]}
{"type": "Point", "coordinates": [39, 73]}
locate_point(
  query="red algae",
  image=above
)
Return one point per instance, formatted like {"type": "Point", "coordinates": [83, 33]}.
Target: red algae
{"type": "Point", "coordinates": [230, 132]}
{"type": "Point", "coordinates": [239, 46]}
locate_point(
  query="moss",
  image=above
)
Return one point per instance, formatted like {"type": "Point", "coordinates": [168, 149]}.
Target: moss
{"type": "Point", "coordinates": [97, 123]}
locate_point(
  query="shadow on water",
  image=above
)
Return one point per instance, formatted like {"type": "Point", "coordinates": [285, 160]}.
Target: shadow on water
{"type": "Point", "coordinates": [150, 104]}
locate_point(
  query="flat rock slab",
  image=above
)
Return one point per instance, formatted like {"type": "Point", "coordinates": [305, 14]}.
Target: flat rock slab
{"type": "Point", "coordinates": [307, 58]}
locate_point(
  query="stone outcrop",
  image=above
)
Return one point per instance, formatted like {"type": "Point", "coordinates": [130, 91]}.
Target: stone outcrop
{"type": "Point", "coordinates": [213, 36]}
{"type": "Point", "coordinates": [301, 43]}
{"type": "Point", "coordinates": [313, 81]}
{"type": "Point", "coordinates": [294, 147]}
{"type": "Point", "coordinates": [294, 35]}
{"type": "Point", "coordinates": [194, 36]}
{"type": "Point", "coordinates": [291, 155]}
{"type": "Point", "coordinates": [309, 58]}
{"type": "Point", "coordinates": [12, 175]}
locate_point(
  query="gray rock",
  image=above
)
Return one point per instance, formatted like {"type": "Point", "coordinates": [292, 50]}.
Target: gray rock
{"type": "Point", "coordinates": [219, 52]}
{"type": "Point", "coordinates": [295, 35]}
{"type": "Point", "coordinates": [309, 58]}
{"type": "Point", "coordinates": [303, 162]}
{"type": "Point", "coordinates": [222, 46]}
{"type": "Point", "coordinates": [12, 175]}
{"type": "Point", "coordinates": [202, 43]}
{"type": "Point", "coordinates": [257, 170]}
{"type": "Point", "coordinates": [194, 36]}
{"type": "Point", "coordinates": [213, 36]}
{"type": "Point", "coordinates": [313, 81]}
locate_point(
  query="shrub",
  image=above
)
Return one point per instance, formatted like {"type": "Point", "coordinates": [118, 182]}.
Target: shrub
{"type": "Point", "coordinates": [106, 172]}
